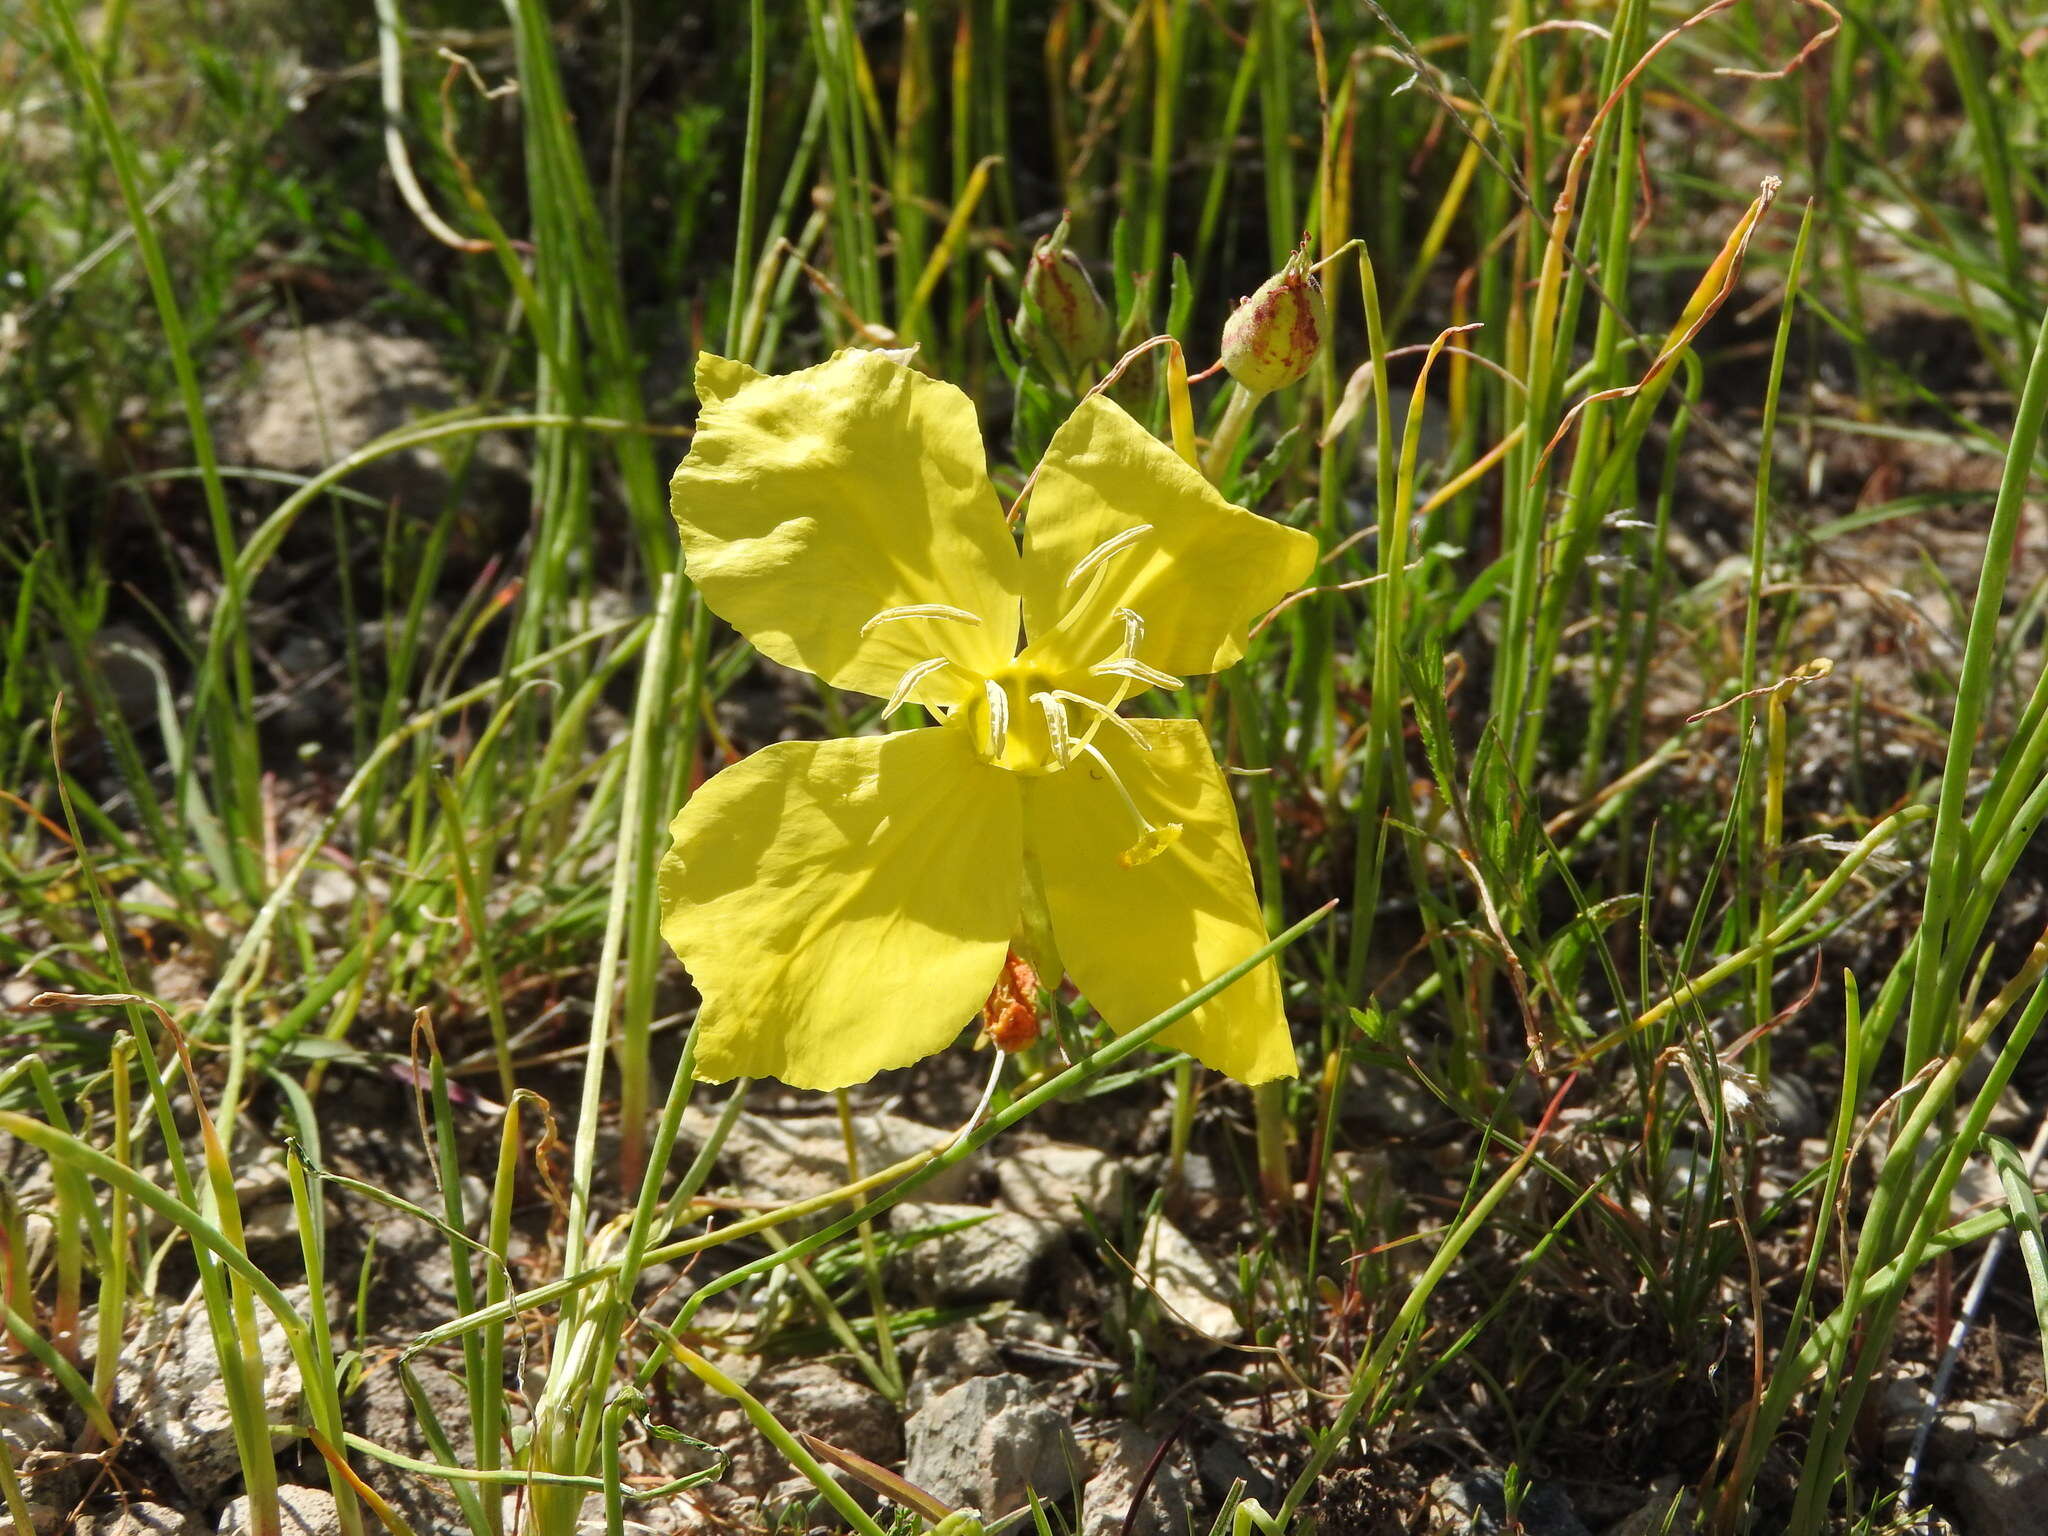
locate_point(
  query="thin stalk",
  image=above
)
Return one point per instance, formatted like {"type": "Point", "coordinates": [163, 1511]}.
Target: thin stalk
{"type": "Point", "coordinates": [1383, 751]}
{"type": "Point", "coordinates": [871, 1263]}
{"type": "Point", "coordinates": [1930, 1020]}
{"type": "Point", "coordinates": [1765, 872]}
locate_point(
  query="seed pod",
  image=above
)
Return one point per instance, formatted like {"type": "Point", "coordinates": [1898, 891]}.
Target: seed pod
{"type": "Point", "coordinates": [1072, 326]}
{"type": "Point", "coordinates": [1271, 338]}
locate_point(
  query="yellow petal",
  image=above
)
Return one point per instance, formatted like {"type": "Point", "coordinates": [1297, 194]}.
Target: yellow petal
{"type": "Point", "coordinates": [720, 378]}
{"type": "Point", "coordinates": [1198, 578]}
{"type": "Point", "coordinates": [843, 906]}
{"type": "Point", "coordinates": [1137, 940]}
{"type": "Point", "coordinates": [811, 503]}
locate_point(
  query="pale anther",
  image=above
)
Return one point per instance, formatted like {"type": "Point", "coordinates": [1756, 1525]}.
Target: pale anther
{"type": "Point", "coordinates": [911, 679]}
{"type": "Point", "coordinates": [1136, 671]}
{"type": "Point", "coordinates": [1115, 544]}
{"type": "Point", "coordinates": [1134, 630]}
{"type": "Point", "coordinates": [1152, 840]}
{"type": "Point", "coordinates": [1055, 725]}
{"type": "Point", "coordinates": [1147, 848]}
{"type": "Point", "coordinates": [920, 611]}
{"type": "Point", "coordinates": [998, 716]}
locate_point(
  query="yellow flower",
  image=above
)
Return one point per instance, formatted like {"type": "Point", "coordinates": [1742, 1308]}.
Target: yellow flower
{"type": "Point", "coordinates": [845, 906]}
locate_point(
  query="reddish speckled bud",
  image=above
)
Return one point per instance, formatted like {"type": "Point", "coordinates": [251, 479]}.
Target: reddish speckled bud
{"type": "Point", "coordinates": [1073, 327]}
{"type": "Point", "coordinates": [1010, 1016]}
{"type": "Point", "coordinates": [1271, 338]}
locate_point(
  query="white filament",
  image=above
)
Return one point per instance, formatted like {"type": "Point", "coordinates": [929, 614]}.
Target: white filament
{"type": "Point", "coordinates": [911, 679]}
{"type": "Point", "coordinates": [919, 611]}
{"type": "Point", "coordinates": [1104, 715]}
{"type": "Point", "coordinates": [1152, 840]}
{"type": "Point", "coordinates": [1136, 671]}
{"type": "Point", "coordinates": [1114, 545]}
{"type": "Point", "coordinates": [1055, 726]}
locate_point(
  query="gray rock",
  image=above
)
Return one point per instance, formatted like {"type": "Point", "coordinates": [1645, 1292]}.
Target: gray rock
{"type": "Point", "coordinates": [807, 1398]}
{"type": "Point", "coordinates": [1672, 1509]}
{"type": "Point", "coordinates": [2003, 1493]}
{"type": "Point", "coordinates": [798, 1157]}
{"type": "Point", "coordinates": [986, 1442]}
{"type": "Point", "coordinates": [35, 1444]}
{"type": "Point", "coordinates": [43, 1517]}
{"type": "Point", "coordinates": [1475, 1504]}
{"type": "Point", "coordinates": [814, 1399]}
{"type": "Point", "coordinates": [321, 392]}
{"type": "Point", "coordinates": [146, 903]}
{"type": "Point", "coordinates": [1194, 1292]}
{"type": "Point", "coordinates": [1107, 1500]}
{"type": "Point", "coordinates": [1393, 1104]}
{"type": "Point", "coordinates": [1200, 1196]}
{"type": "Point", "coordinates": [171, 1381]}
{"type": "Point", "coordinates": [1904, 1402]}
{"type": "Point", "coordinates": [1954, 1428]}
{"type": "Point", "coordinates": [1222, 1464]}
{"type": "Point", "coordinates": [263, 1192]}
{"type": "Point", "coordinates": [329, 890]}
{"type": "Point", "coordinates": [381, 1411]}
{"type": "Point", "coordinates": [1978, 1188]}
{"type": "Point", "coordinates": [1995, 1420]}
{"type": "Point", "coordinates": [992, 1260]}
{"type": "Point", "coordinates": [140, 1520]}
{"type": "Point", "coordinates": [1690, 1175]}
{"type": "Point", "coordinates": [1047, 1182]}
{"type": "Point", "coordinates": [1361, 1180]}
{"type": "Point", "coordinates": [131, 666]}
{"type": "Point", "coordinates": [1790, 1106]}
{"type": "Point", "coordinates": [1952, 1436]}
{"type": "Point", "coordinates": [302, 1512]}
{"type": "Point", "coordinates": [2011, 1116]}
{"type": "Point", "coordinates": [948, 1356]}
{"type": "Point", "coordinates": [26, 1426]}
{"type": "Point", "coordinates": [1035, 1334]}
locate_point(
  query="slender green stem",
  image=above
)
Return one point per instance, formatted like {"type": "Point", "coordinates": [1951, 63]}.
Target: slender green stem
{"type": "Point", "coordinates": [1930, 1022]}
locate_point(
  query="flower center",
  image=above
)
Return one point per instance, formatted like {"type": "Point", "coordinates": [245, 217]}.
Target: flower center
{"type": "Point", "coordinates": [1017, 722]}
{"type": "Point", "coordinates": [1020, 719]}
{"type": "Point", "coordinates": [1022, 723]}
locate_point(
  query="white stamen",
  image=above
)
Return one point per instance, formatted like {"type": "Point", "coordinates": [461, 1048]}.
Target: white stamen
{"type": "Point", "coordinates": [1103, 715]}
{"type": "Point", "coordinates": [911, 679]}
{"type": "Point", "coordinates": [1152, 840]}
{"type": "Point", "coordinates": [920, 611]}
{"type": "Point", "coordinates": [1134, 630]}
{"type": "Point", "coordinates": [1136, 671]}
{"type": "Point", "coordinates": [1115, 544]}
{"type": "Point", "coordinates": [1055, 726]}
{"type": "Point", "coordinates": [998, 716]}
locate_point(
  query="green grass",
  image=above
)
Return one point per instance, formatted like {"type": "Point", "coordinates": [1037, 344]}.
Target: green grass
{"type": "Point", "coordinates": [1601, 438]}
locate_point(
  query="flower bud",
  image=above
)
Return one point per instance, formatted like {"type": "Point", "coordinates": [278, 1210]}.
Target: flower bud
{"type": "Point", "coordinates": [1271, 338]}
{"type": "Point", "coordinates": [1072, 326]}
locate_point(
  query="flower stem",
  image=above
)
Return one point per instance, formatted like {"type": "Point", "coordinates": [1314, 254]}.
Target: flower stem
{"type": "Point", "coordinates": [871, 1261]}
{"type": "Point", "coordinates": [1237, 416]}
